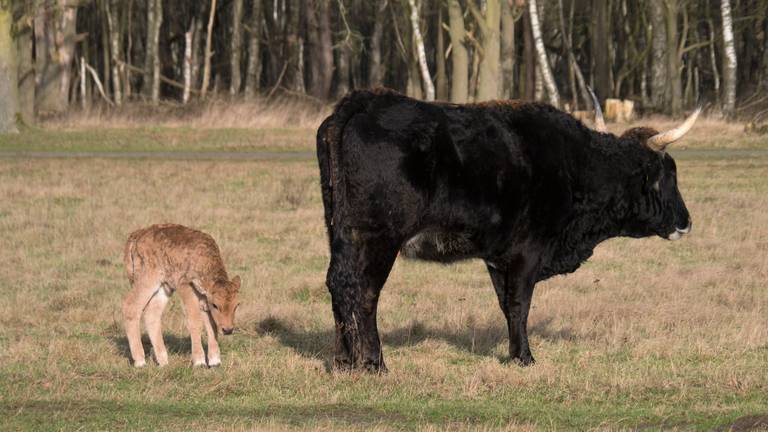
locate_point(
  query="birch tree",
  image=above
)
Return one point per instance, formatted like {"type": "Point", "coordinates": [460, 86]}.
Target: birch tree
{"type": "Point", "coordinates": [189, 58]}
{"type": "Point", "coordinates": [546, 71]}
{"type": "Point", "coordinates": [729, 60]}
{"type": "Point", "coordinates": [115, 45]}
{"type": "Point", "coordinates": [152, 59]}
{"type": "Point", "coordinates": [426, 79]}
{"type": "Point", "coordinates": [208, 53]}
{"type": "Point", "coordinates": [236, 47]}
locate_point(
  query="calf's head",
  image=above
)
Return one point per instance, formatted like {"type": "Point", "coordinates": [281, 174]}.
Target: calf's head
{"type": "Point", "coordinates": [222, 302]}
{"type": "Point", "coordinates": [658, 206]}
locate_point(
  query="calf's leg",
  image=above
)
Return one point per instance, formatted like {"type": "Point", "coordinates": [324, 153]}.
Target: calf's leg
{"type": "Point", "coordinates": [153, 315]}
{"type": "Point", "coordinates": [214, 357]}
{"type": "Point", "coordinates": [194, 321]}
{"type": "Point", "coordinates": [134, 303]}
{"type": "Point", "coordinates": [515, 291]}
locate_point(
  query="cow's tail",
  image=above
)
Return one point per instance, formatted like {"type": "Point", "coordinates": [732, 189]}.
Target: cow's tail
{"type": "Point", "coordinates": [329, 149]}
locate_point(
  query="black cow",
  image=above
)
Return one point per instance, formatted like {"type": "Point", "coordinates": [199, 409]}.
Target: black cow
{"type": "Point", "coordinates": [523, 186]}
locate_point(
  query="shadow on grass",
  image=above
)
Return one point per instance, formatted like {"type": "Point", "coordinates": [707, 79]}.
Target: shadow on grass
{"type": "Point", "coordinates": [141, 415]}
{"type": "Point", "coordinates": [481, 340]}
{"type": "Point", "coordinates": [175, 344]}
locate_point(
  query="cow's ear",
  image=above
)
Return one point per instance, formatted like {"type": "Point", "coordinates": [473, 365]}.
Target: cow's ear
{"type": "Point", "coordinates": [236, 283]}
{"type": "Point", "coordinates": [198, 286]}
{"type": "Point", "coordinates": [652, 178]}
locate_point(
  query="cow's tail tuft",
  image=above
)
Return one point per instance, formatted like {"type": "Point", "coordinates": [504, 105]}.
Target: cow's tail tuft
{"type": "Point", "coordinates": [329, 149]}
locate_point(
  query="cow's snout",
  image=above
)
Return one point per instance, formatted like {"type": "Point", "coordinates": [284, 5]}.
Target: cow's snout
{"type": "Point", "coordinates": [679, 232]}
{"type": "Point", "coordinates": [227, 330]}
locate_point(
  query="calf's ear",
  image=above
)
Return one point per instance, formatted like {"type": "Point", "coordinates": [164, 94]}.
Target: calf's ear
{"type": "Point", "coordinates": [236, 282]}
{"type": "Point", "coordinates": [198, 286]}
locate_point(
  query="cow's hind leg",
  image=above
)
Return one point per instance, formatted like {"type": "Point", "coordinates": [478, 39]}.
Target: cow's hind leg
{"type": "Point", "coordinates": [360, 264]}
{"type": "Point", "coordinates": [514, 291]}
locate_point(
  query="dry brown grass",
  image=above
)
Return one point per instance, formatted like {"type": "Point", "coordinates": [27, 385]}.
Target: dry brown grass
{"type": "Point", "coordinates": [711, 131]}
{"type": "Point", "coordinates": [649, 333]}
{"type": "Point", "coordinates": [220, 113]}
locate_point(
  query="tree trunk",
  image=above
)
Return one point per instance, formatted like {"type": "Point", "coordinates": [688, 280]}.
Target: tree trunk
{"type": "Point", "coordinates": [55, 47]}
{"type": "Point", "coordinates": [293, 78]}
{"type": "Point", "coordinates": [489, 74]}
{"type": "Point", "coordinates": [189, 58]}
{"type": "Point", "coordinates": [659, 71]}
{"type": "Point", "coordinates": [674, 70]}
{"type": "Point", "coordinates": [26, 72]}
{"type": "Point", "coordinates": [459, 56]}
{"type": "Point", "coordinates": [320, 49]}
{"type": "Point", "coordinates": [207, 53]}
{"type": "Point", "coordinates": [426, 78]}
{"type": "Point", "coordinates": [342, 69]}
{"type": "Point", "coordinates": [507, 50]}
{"type": "Point", "coordinates": [152, 60]}
{"type": "Point", "coordinates": [375, 68]}
{"type": "Point", "coordinates": [442, 77]}
{"type": "Point", "coordinates": [729, 60]}
{"type": "Point", "coordinates": [601, 38]}
{"type": "Point", "coordinates": [9, 106]}
{"type": "Point", "coordinates": [115, 45]}
{"type": "Point", "coordinates": [568, 55]}
{"type": "Point", "coordinates": [253, 74]}
{"type": "Point", "coordinates": [236, 47]}
{"type": "Point", "coordinates": [546, 72]}
{"type": "Point", "coordinates": [529, 63]}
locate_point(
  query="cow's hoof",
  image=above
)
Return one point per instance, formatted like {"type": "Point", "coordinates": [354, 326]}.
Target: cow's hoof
{"type": "Point", "coordinates": [139, 364]}
{"type": "Point", "coordinates": [375, 367]}
{"type": "Point", "coordinates": [342, 364]}
{"type": "Point", "coordinates": [523, 360]}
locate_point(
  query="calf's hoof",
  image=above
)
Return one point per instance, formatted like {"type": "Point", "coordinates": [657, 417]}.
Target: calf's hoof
{"type": "Point", "coordinates": [139, 363]}
{"type": "Point", "coordinates": [162, 360]}
{"type": "Point", "coordinates": [199, 363]}
{"type": "Point", "coordinates": [214, 362]}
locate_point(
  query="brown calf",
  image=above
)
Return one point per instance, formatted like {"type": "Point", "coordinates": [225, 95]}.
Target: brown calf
{"type": "Point", "coordinates": [162, 259]}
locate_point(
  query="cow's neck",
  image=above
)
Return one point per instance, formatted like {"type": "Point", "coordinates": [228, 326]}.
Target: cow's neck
{"type": "Point", "coordinates": [600, 212]}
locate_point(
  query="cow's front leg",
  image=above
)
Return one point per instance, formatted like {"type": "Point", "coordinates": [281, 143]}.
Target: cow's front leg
{"type": "Point", "coordinates": [514, 289]}
{"type": "Point", "coordinates": [360, 264]}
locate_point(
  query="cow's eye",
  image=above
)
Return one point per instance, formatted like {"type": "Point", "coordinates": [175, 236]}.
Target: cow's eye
{"type": "Point", "coordinates": [215, 306]}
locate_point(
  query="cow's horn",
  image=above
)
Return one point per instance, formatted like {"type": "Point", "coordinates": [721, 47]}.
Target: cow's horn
{"type": "Point", "coordinates": [599, 120]}
{"type": "Point", "coordinates": [659, 142]}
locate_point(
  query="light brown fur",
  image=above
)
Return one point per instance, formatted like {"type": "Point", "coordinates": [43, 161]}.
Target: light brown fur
{"type": "Point", "coordinates": [162, 259]}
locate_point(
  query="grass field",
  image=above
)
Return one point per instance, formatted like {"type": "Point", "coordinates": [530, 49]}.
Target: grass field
{"type": "Point", "coordinates": [649, 334]}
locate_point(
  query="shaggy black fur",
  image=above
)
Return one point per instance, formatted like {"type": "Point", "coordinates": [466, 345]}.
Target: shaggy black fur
{"type": "Point", "coordinates": [523, 186]}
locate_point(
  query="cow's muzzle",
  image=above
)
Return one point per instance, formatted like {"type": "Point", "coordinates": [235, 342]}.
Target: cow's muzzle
{"type": "Point", "coordinates": [678, 233]}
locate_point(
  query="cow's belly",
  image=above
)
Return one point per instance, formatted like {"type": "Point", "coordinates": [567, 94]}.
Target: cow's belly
{"type": "Point", "coordinates": [440, 245]}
